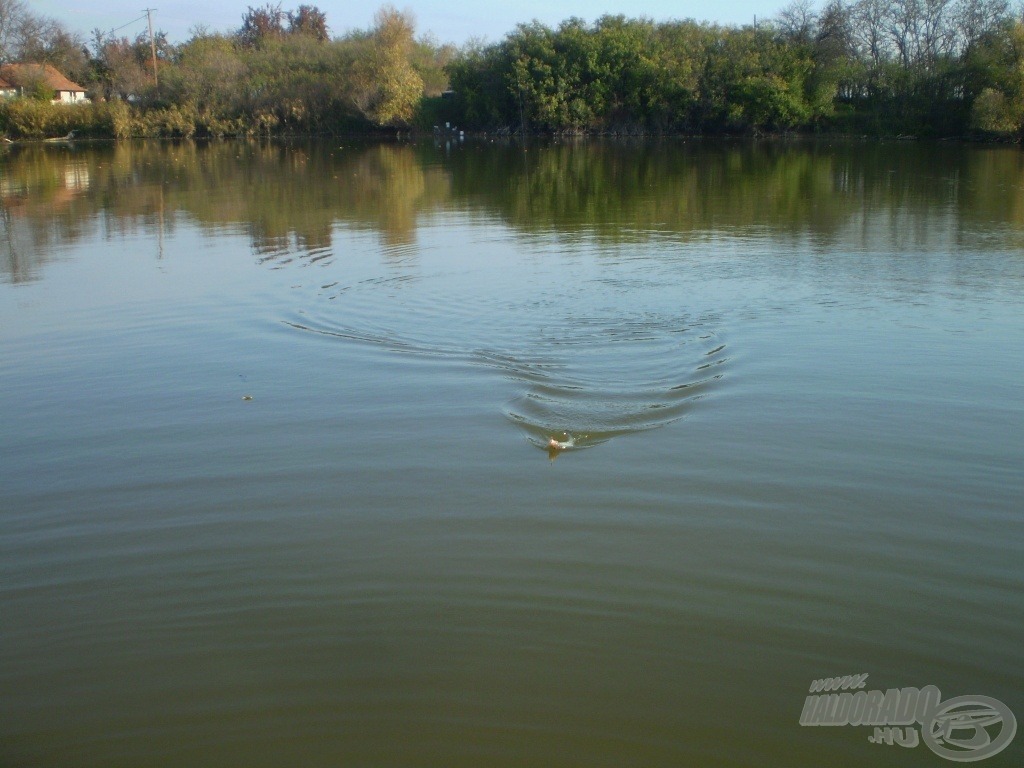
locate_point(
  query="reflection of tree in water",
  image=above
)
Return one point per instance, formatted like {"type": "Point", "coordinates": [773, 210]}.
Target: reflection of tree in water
{"type": "Point", "coordinates": [390, 184]}
{"type": "Point", "coordinates": [42, 204]}
{"type": "Point", "coordinates": [290, 197]}
{"type": "Point", "coordinates": [621, 191]}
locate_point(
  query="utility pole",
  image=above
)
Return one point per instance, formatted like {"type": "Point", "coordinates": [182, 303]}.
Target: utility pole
{"type": "Point", "coordinates": [152, 42]}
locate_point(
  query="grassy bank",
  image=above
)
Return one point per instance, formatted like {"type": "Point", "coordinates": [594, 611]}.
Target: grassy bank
{"type": "Point", "coordinates": [28, 119]}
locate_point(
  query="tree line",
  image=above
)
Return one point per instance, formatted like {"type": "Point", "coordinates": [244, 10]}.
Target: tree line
{"type": "Point", "coordinates": [279, 72]}
{"type": "Point", "coordinates": [879, 67]}
{"type": "Point", "coordinates": [922, 67]}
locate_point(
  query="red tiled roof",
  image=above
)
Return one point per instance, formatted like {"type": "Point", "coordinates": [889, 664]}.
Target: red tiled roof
{"type": "Point", "coordinates": [20, 74]}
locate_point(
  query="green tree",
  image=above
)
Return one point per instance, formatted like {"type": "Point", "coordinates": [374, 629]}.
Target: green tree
{"type": "Point", "coordinates": [995, 66]}
{"type": "Point", "coordinates": [210, 73]}
{"type": "Point", "coordinates": [754, 81]}
{"type": "Point", "coordinates": [535, 77]}
{"type": "Point", "coordinates": [431, 59]}
{"type": "Point", "coordinates": [387, 86]}
{"type": "Point", "coordinates": [836, 74]}
{"type": "Point", "coordinates": [478, 76]}
{"type": "Point", "coordinates": [36, 88]}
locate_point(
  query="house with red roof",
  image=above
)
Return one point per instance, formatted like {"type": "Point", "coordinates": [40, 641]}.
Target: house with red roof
{"type": "Point", "coordinates": [14, 78]}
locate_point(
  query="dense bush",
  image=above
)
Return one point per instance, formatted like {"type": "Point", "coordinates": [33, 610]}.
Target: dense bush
{"type": "Point", "coordinates": [32, 119]}
{"type": "Point", "coordinates": [875, 66]}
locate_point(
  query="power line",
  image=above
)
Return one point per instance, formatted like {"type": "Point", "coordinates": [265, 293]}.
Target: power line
{"type": "Point", "coordinates": [134, 21]}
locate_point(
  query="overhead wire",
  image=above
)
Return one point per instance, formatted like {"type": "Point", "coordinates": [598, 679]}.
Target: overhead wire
{"type": "Point", "coordinates": [127, 25]}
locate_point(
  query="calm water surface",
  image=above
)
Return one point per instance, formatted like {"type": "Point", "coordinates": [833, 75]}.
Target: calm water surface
{"type": "Point", "coordinates": [275, 477]}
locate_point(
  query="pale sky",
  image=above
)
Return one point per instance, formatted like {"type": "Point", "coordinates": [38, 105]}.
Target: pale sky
{"type": "Point", "coordinates": [450, 22]}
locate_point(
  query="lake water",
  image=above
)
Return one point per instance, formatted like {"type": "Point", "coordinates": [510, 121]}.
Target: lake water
{"type": "Point", "coordinates": [276, 476]}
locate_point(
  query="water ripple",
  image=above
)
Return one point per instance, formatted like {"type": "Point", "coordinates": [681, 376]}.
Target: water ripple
{"type": "Point", "coordinates": [651, 379]}
{"type": "Point", "coordinates": [582, 368]}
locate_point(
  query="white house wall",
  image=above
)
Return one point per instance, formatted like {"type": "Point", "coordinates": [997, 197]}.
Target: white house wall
{"type": "Point", "coordinates": [71, 97]}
